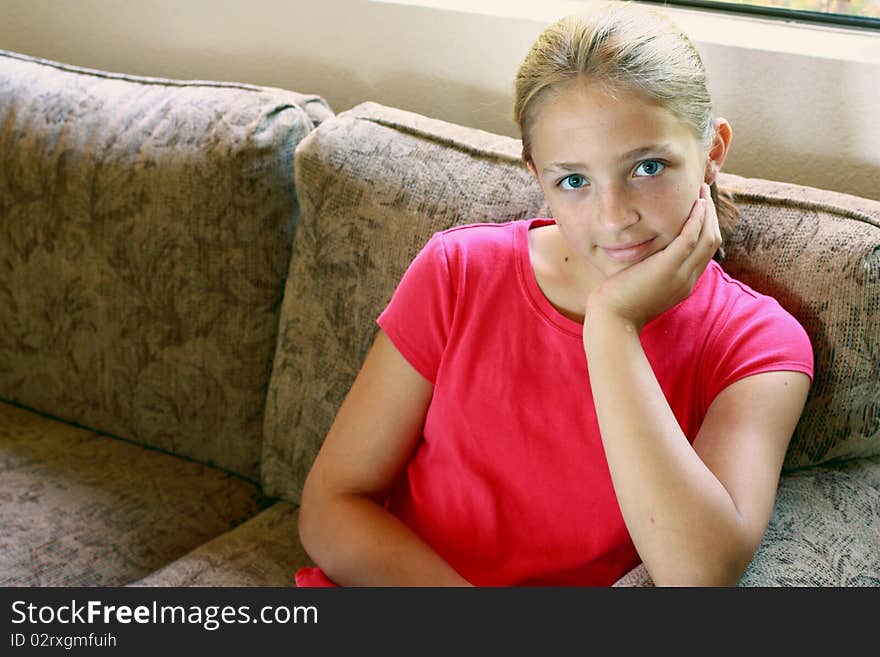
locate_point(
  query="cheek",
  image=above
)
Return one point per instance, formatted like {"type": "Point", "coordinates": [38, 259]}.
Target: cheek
{"type": "Point", "coordinates": [671, 204]}
{"type": "Point", "coordinates": [567, 209]}
{"type": "Point", "coordinates": [573, 218]}
{"type": "Point", "coordinates": [575, 228]}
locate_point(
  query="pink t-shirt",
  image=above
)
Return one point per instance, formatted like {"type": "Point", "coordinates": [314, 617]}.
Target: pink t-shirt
{"type": "Point", "coordinates": [509, 483]}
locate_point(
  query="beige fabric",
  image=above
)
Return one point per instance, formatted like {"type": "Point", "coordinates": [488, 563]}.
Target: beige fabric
{"type": "Point", "coordinates": [818, 253]}
{"type": "Point", "coordinates": [825, 530]}
{"type": "Point", "coordinates": [314, 105]}
{"type": "Point", "coordinates": [264, 551]}
{"type": "Point", "coordinates": [145, 233]}
{"type": "Point", "coordinates": [375, 184]}
{"type": "Point", "coordinates": [867, 470]}
{"type": "Point", "coordinates": [82, 509]}
{"type": "Point", "coordinates": [637, 577]}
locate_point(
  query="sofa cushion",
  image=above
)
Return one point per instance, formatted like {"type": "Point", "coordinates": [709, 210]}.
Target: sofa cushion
{"type": "Point", "coordinates": [145, 234]}
{"type": "Point", "coordinates": [825, 529]}
{"type": "Point", "coordinates": [82, 509]}
{"type": "Point", "coordinates": [374, 184]}
{"type": "Point", "coordinates": [818, 253]}
{"type": "Point", "coordinates": [264, 551]}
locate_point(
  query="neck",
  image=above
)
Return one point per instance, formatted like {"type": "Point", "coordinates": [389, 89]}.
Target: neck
{"type": "Point", "coordinates": [579, 274]}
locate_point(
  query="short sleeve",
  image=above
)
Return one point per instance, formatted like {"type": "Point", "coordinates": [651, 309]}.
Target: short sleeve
{"type": "Point", "coordinates": [762, 337]}
{"type": "Point", "coordinates": [312, 577]}
{"type": "Point", "coordinates": [419, 315]}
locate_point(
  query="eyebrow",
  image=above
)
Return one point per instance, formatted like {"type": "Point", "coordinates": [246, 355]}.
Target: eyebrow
{"type": "Point", "coordinates": [654, 149]}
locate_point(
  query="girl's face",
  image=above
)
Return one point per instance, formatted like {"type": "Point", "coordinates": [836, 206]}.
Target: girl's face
{"type": "Point", "coordinates": [620, 174]}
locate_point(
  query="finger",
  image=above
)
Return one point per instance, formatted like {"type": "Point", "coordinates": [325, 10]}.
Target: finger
{"type": "Point", "coordinates": [676, 253]}
{"type": "Point", "coordinates": [715, 223]}
{"type": "Point", "coordinates": [709, 238]}
{"type": "Point", "coordinates": [711, 228]}
{"type": "Point", "coordinates": [706, 195]}
{"type": "Point", "coordinates": [689, 237]}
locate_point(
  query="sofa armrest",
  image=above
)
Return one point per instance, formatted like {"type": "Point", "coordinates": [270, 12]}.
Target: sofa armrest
{"type": "Point", "coordinates": [825, 530]}
{"type": "Point", "coordinates": [264, 551]}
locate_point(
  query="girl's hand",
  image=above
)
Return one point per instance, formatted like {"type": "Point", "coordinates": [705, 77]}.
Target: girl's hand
{"type": "Point", "coordinates": [652, 286]}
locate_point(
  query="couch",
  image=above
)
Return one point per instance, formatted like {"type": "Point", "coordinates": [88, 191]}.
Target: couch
{"type": "Point", "coordinates": [189, 277]}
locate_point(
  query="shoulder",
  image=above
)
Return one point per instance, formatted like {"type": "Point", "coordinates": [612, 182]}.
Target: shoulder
{"type": "Point", "coordinates": [726, 318]}
{"type": "Point", "coordinates": [736, 302]}
{"type": "Point", "coordinates": [736, 331]}
{"type": "Point", "coordinates": [465, 253]}
{"type": "Point", "coordinates": [720, 298]}
{"type": "Point", "coordinates": [480, 238]}
{"type": "Point", "coordinates": [721, 285]}
{"type": "Point", "coordinates": [753, 325]}
{"type": "Point", "coordinates": [480, 249]}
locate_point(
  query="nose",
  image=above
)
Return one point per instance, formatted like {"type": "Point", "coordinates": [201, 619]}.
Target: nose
{"type": "Point", "coordinates": [617, 211]}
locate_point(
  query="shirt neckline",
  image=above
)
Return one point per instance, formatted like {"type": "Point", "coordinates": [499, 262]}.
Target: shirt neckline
{"type": "Point", "coordinates": [541, 304]}
{"type": "Point", "coordinates": [535, 297]}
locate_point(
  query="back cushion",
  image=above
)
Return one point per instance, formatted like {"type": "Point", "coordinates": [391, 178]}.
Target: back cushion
{"type": "Point", "coordinates": [375, 183]}
{"type": "Point", "coordinates": [818, 253]}
{"type": "Point", "coordinates": [145, 233]}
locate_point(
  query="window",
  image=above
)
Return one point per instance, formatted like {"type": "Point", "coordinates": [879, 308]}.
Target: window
{"type": "Point", "coordinates": [858, 13]}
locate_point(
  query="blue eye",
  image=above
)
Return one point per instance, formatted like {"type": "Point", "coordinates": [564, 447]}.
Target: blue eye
{"type": "Point", "coordinates": [650, 168]}
{"type": "Point", "coordinates": [574, 181]}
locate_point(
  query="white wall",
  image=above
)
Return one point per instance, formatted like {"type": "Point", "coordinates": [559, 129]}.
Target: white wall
{"type": "Point", "coordinates": [797, 115]}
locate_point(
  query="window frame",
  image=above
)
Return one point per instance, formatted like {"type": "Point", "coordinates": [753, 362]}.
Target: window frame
{"type": "Point", "coordinates": [814, 17]}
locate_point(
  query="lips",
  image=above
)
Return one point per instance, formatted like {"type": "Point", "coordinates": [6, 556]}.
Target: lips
{"type": "Point", "coordinates": [628, 252]}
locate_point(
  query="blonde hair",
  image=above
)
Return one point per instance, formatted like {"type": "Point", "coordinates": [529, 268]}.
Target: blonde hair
{"type": "Point", "coordinates": [622, 47]}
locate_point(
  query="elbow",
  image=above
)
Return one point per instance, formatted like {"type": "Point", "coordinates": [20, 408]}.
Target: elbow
{"type": "Point", "coordinates": [714, 558]}
{"type": "Point", "coordinates": [304, 528]}
{"type": "Point", "coordinates": [308, 520]}
{"type": "Point", "coordinates": [694, 578]}
{"type": "Point", "coordinates": [323, 514]}
{"type": "Point", "coordinates": [712, 568]}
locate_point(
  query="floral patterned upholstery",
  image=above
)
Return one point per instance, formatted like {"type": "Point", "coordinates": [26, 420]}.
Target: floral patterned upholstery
{"type": "Point", "coordinates": [264, 551]}
{"type": "Point", "coordinates": [82, 509]}
{"type": "Point", "coordinates": [145, 232]}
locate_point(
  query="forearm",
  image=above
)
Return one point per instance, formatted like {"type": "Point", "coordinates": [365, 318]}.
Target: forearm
{"type": "Point", "coordinates": [356, 542]}
{"type": "Point", "coordinates": [683, 522]}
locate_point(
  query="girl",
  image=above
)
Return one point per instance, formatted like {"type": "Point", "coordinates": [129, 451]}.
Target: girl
{"type": "Point", "coordinates": [552, 401]}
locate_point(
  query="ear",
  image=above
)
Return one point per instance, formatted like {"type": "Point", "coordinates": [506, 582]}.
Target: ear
{"type": "Point", "coordinates": [531, 166]}
{"type": "Point", "coordinates": [718, 149]}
